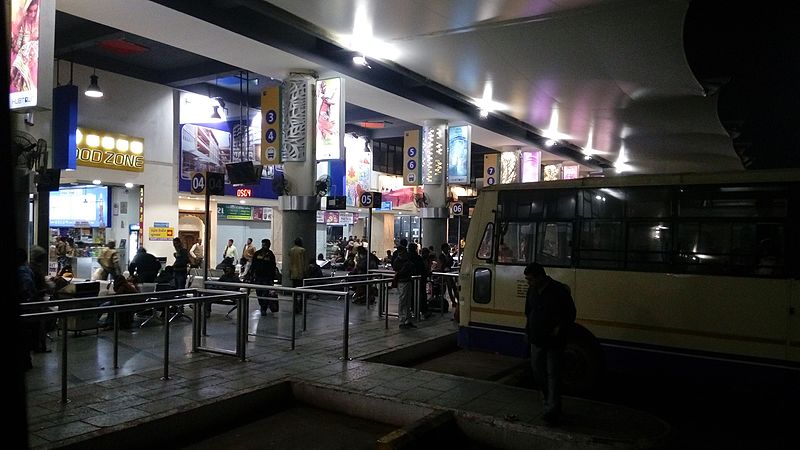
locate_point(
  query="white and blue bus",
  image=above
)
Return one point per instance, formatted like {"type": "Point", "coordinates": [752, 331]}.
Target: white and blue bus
{"type": "Point", "coordinates": [666, 269]}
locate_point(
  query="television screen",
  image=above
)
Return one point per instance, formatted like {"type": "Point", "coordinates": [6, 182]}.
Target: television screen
{"type": "Point", "coordinates": [80, 206]}
{"type": "Point", "coordinates": [243, 173]}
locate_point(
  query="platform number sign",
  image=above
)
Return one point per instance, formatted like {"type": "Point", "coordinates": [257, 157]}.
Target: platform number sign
{"type": "Point", "coordinates": [215, 183]}
{"type": "Point", "coordinates": [198, 183]}
{"type": "Point", "coordinates": [370, 200]}
{"type": "Point", "coordinates": [271, 125]}
{"type": "Point", "coordinates": [457, 208]}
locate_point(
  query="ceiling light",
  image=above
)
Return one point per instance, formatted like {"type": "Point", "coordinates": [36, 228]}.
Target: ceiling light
{"type": "Point", "coordinates": [215, 114]}
{"type": "Point", "coordinates": [96, 182]}
{"type": "Point", "coordinates": [94, 89]}
{"type": "Point", "coordinates": [137, 147]}
{"type": "Point", "coordinates": [128, 185]}
{"type": "Point", "coordinates": [93, 140]}
{"type": "Point", "coordinates": [549, 143]}
{"type": "Point", "coordinates": [360, 60]}
{"type": "Point", "coordinates": [123, 145]}
{"type": "Point", "coordinates": [107, 142]}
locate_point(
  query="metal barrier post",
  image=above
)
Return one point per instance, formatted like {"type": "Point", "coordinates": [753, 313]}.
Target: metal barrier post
{"type": "Point", "coordinates": [116, 340]}
{"type": "Point", "coordinates": [198, 314]}
{"type": "Point", "coordinates": [415, 286]}
{"type": "Point", "coordinates": [243, 311]}
{"type": "Point", "coordinates": [386, 303]}
{"type": "Point", "coordinates": [443, 292]}
{"type": "Point", "coordinates": [166, 343]}
{"type": "Point", "coordinates": [346, 328]}
{"type": "Point", "coordinates": [305, 307]}
{"type": "Point", "coordinates": [64, 399]}
{"type": "Point", "coordinates": [294, 316]}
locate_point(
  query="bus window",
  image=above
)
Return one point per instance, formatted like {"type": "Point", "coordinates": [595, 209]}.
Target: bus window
{"type": "Point", "coordinates": [554, 244]}
{"type": "Point", "coordinates": [485, 249]}
{"type": "Point", "coordinates": [514, 243]}
{"type": "Point", "coordinates": [601, 244]}
{"type": "Point", "coordinates": [649, 246]}
{"type": "Point", "coordinates": [482, 286]}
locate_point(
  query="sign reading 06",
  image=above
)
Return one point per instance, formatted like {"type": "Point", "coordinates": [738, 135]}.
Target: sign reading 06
{"type": "Point", "coordinates": [457, 208]}
{"type": "Point", "coordinates": [370, 200]}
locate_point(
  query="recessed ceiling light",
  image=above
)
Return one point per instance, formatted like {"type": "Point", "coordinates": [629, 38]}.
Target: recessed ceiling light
{"type": "Point", "coordinates": [96, 182]}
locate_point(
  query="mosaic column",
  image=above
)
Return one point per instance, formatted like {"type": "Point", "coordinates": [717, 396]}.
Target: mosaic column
{"type": "Point", "coordinates": [299, 206]}
{"type": "Point", "coordinates": [434, 214]}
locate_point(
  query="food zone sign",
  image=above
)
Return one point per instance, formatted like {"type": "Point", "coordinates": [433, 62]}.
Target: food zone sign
{"type": "Point", "coordinates": [109, 150]}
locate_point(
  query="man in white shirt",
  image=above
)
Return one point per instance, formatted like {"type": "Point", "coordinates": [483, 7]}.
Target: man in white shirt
{"type": "Point", "coordinates": [230, 252]}
{"type": "Point", "coordinates": [197, 253]}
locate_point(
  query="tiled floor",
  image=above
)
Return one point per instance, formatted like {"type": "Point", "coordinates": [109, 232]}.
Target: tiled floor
{"type": "Point", "coordinates": [104, 399]}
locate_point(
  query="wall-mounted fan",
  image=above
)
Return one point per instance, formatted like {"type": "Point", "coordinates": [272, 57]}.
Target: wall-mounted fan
{"type": "Point", "coordinates": [421, 200]}
{"type": "Point", "coordinates": [323, 185]}
{"type": "Point", "coordinates": [30, 150]}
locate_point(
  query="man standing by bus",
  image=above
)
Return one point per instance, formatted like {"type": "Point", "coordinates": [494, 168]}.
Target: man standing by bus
{"type": "Point", "coordinates": [550, 311]}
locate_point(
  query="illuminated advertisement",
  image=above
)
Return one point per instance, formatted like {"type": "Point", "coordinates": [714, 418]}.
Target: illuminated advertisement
{"type": "Point", "coordinates": [358, 168]}
{"type": "Point", "coordinates": [109, 150]}
{"type": "Point", "coordinates": [571, 172]}
{"type": "Point", "coordinates": [433, 142]}
{"type": "Point", "coordinates": [458, 154]}
{"type": "Point", "coordinates": [530, 166]}
{"type": "Point", "coordinates": [24, 53]}
{"type": "Point", "coordinates": [83, 206]}
{"type": "Point", "coordinates": [330, 118]}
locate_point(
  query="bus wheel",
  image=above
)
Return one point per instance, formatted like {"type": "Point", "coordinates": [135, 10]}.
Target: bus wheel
{"type": "Point", "coordinates": [584, 363]}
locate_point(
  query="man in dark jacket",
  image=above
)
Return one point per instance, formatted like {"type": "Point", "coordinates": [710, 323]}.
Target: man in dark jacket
{"type": "Point", "coordinates": [412, 265]}
{"type": "Point", "coordinates": [550, 311]}
{"type": "Point", "coordinates": [145, 266]}
{"type": "Point", "coordinates": [264, 269]}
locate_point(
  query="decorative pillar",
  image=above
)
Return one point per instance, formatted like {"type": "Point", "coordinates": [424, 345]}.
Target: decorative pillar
{"type": "Point", "coordinates": [434, 214]}
{"type": "Point", "coordinates": [299, 206]}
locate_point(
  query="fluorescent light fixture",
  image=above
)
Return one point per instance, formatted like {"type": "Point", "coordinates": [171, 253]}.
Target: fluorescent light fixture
{"type": "Point", "coordinates": [129, 185]}
{"type": "Point", "coordinates": [96, 182]}
{"type": "Point", "coordinates": [107, 142]}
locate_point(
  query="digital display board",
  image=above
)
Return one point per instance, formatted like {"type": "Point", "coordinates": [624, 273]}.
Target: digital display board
{"type": "Point", "coordinates": [80, 206]}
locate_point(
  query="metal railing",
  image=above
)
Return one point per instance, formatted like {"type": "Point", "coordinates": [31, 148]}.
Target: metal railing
{"type": "Point", "coordinates": [132, 303]}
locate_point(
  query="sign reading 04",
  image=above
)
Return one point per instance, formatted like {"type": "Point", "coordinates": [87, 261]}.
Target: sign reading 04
{"type": "Point", "coordinates": [369, 199]}
{"type": "Point", "coordinates": [271, 126]}
{"type": "Point", "coordinates": [109, 150]}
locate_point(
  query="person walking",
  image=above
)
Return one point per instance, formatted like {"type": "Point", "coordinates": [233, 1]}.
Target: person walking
{"type": "Point", "coordinates": [180, 267]}
{"type": "Point", "coordinates": [297, 269]}
{"type": "Point", "coordinates": [264, 270]}
{"type": "Point", "coordinates": [197, 254]}
{"type": "Point", "coordinates": [550, 311]}
{"type": "Point", "coordinates": [247, 258]}
{"type": "Point", "coordinates": [446, 265]}
{"type": "Point", "coordinates": [109, 260]}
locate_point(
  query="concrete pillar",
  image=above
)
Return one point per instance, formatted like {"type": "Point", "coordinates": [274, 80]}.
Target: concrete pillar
{"type": "Point", "coordinates": [434, 177]}
{"type": "Point", "coordinates": [299, 164]}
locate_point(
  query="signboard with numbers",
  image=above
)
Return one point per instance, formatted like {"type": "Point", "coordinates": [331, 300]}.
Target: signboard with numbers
{"type": "Point", "coordinates": [215, 183]}
{"type": "Point", "coordinates": [198, 183]}
{"type": "Point", "coordinates": [271, 126]}
{"type": "Point", "coordinates": [490, 169]}
{"type": "Point", "coordinates": [457, 208]}
{"type": "Point", "coordinates": [411, 158]}
{"type": "Point", "coordinates": [369, 200]}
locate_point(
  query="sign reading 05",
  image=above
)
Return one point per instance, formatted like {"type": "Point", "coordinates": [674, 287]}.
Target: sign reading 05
{"type": "Point", "coordinates": [369, 199]}
{"type": "Point", "coordinates": [109, 150]}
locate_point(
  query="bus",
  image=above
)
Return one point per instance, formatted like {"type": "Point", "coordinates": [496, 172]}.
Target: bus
{"type": "Point", "coordinates": [691, 267]}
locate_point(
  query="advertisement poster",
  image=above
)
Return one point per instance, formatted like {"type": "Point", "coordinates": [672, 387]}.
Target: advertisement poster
{"type": "Point", "coordinates": [509, 167]}
{"type": "Point", "coordinates": [24, 53]}
{"type": "Point", "coordinates": [330, 118]}
{"type": "Point", "coordinates": [359, 168]}
{"type": "Point", "coordinates": [571, 172]}
{"type": "Point", "coordinates": [458, 154]}
{"type": "Point", "coordinates": [208, 147]}
{"type": "Point", "coordinates": [531, 166]}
